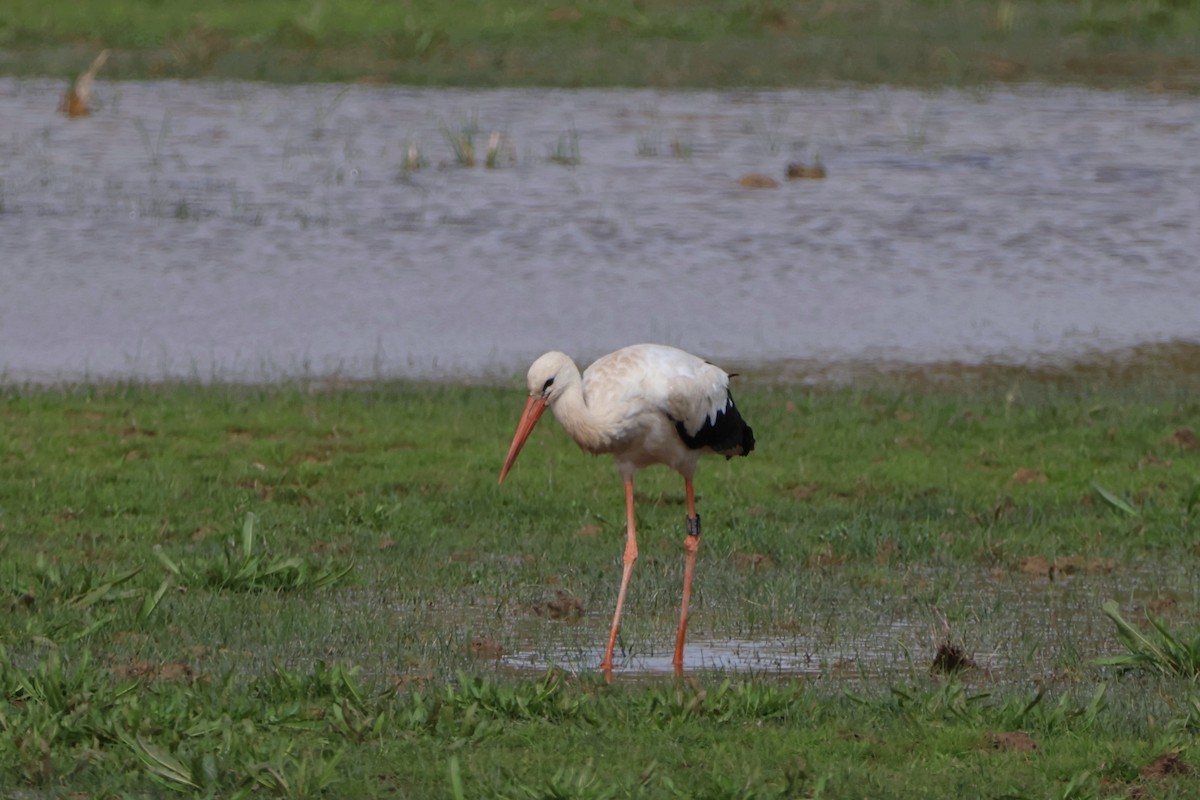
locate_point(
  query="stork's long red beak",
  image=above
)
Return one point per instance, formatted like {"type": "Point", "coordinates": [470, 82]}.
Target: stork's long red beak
{"type": "Point", "coordinates": [534, 408]}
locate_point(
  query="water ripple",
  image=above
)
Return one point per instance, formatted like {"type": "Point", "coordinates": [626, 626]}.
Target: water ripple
{"type": "Point", "coordinates": [246, 231]}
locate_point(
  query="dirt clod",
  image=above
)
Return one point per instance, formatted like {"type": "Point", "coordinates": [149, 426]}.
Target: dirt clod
{"type": "Point", "coordinates": [484, 647]}
{"type": "Point", "coordinates": [951, 658]}
{"type": "Point", "coordinates": [563, 606]}
{"type": "Point", "coordinates": [1035, 565]}
{"type": "Point", "coordinates": [1042, 567]}
{"type": "Point", "coordinates": [798, 171]}
{"type": "Point", "coordinates": [166, 671]}
{"type": "Point", "coordinates": [757, 180]}
{"type": "Point", "coordinates": [1025, 476]}
{"type": "Point", "coordinates": [1167, 764]}
{"type": "Point", "coordinates": [1161, 605]}
{"type": "Point", "coordinates": [1186, 439]}
{"type": "Point", "coordinates": [1012, 741]}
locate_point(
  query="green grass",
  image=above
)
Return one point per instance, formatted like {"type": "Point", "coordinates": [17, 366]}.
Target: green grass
{"type": "Point", "coordinates": [342, 640]}
{"type": "Point", "coordinates": [614, 42]}
{"type": "Point", "coordinates": [1162, 650]}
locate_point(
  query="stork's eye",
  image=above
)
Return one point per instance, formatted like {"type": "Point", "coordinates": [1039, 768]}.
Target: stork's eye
{"type": "Point", "coordinates": [546, 386]}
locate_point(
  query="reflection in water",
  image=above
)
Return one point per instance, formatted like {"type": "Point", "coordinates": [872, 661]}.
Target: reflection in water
{"type": "Point", "coordinates": [769, 656]}
{"type": "Point", "coordinates": [247, 231]}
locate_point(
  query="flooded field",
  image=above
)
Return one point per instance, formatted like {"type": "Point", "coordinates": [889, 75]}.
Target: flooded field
{"type": "Point", "coordinates": [246, 231]}
{"type": "Point", "coordinates": [840, 627]}
{"type": "Point", "coordinates": [1010, 628]}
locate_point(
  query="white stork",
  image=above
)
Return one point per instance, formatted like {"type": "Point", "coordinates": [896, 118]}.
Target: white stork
{"type": "Point", "coordinates": [645, 404]}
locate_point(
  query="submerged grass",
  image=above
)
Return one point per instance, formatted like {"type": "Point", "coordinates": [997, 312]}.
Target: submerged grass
{"type": "Point", "coordinates": [147, 644]}
{"type": "Point", "coordinates": [1162, 650]}
{"type": "Point", "coordinates": [615, 42]}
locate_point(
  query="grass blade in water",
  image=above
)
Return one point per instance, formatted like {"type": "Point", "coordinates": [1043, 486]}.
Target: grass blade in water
{"type": "Point", "coordinates": [1171, 655]}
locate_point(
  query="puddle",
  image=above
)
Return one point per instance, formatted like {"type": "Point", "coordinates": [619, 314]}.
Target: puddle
{"type": "Point", "coordinates": [249, 231]}
{"type": "Point", "coordinates": [763, 657]}
{"type": "Point", "coordinates": [770, 656]}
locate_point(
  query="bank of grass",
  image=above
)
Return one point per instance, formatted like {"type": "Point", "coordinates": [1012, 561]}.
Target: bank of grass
{"type": "Point", "coordinates": [615, 42]}
{"type": "Point", "coordinates": [303, 590]}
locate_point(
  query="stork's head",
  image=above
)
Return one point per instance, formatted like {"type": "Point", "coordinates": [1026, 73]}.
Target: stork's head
{"type": "Point", "coordinates": [543, 377]}
{"type": "Point", "coordinates": [545, 386]}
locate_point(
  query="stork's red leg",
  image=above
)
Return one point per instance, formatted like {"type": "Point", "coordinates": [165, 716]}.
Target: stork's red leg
{"type": "Point", "coordinates": [691, 544]}
{"type": "Point", "coordinates": [631, 554]}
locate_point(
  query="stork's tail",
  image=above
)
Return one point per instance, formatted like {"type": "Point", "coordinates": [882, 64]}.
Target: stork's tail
{"type": "Point", "coordinates": [744, 433]}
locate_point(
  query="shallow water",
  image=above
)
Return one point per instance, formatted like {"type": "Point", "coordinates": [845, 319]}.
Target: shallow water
{"type": "Point", "coordinates": [1015, 628]}
{"type": "Point", "coordinates": [248, 231]}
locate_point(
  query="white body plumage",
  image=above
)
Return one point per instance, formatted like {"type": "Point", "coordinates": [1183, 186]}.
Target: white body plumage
{"type": "Point", "coordinates": [645, 404]}
{"type": "Point", "coordinates": [633, 403]}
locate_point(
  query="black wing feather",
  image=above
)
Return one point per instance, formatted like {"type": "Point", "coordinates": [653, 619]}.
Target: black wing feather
{"type": "Point", "coordinates": [727, 433]}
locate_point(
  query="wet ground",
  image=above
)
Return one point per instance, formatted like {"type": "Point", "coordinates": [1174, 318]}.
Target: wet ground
{"type": "Point", "coordinates": [1017, 626]}
{"type": "Point", "coordinates": [247, 231]}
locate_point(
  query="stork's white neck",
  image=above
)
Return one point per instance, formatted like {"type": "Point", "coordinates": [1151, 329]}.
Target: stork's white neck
{"type": "Point", "coordinates": [581, 422]}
